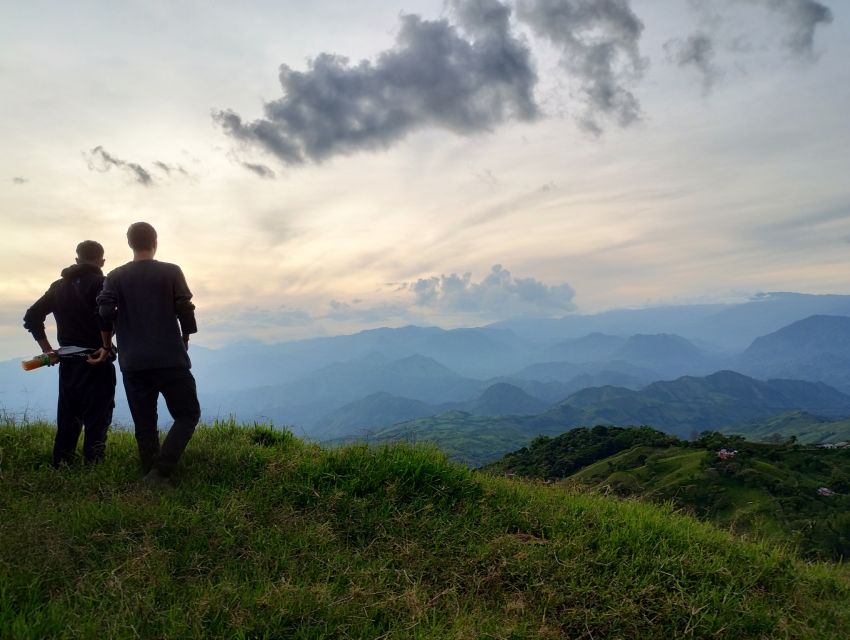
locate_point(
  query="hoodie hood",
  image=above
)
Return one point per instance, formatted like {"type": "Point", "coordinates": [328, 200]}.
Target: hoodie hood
{"type": "Point", "coordinates": [80, 270]}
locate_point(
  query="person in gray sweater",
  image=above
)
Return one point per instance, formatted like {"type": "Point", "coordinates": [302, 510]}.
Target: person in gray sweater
{"type": "Point", "coordinates": [150, 306]}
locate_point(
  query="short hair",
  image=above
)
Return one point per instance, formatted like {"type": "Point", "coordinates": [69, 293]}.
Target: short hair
{"type": "Point", "coordinates": [141, 236]}
{"type": "Point", "coordinates": [90, 251]}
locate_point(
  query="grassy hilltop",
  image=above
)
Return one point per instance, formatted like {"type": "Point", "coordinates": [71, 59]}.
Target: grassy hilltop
{"type": "Point", "coordinates": [767, 489]}
{"type": "Point", "coordinates": [268, 537]}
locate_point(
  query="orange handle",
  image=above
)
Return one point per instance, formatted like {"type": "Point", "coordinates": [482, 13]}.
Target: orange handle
{"type": "Point", "coordinates": [39, 361]}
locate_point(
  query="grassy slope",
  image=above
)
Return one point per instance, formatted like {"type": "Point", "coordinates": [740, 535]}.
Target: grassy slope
{"type": "Point", "coordinates": [766, 489]}
{"type": "Point", "coordinates": [472, 440]}
{"type": "Point", "coordinates": [267, 537]}
{"type": "Point", "coordinates": [807, 428]}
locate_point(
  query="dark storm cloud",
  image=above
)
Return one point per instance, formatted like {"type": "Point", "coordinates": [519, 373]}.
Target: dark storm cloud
{"type": "Point", "coordinates": [101, 160]}
{"type": "Point", "coordinates": [498, 294]}
{"type": "Point", "coordinates": [466, 78]}
{"type": "Point", "coordinates": [19, 180]}
{"type": "Point", "coordinates": [471, 72]}
{"type": "Point", "coordinates": [696, 51]}
{"type": "Point", "coordinates": [598, 41]}
{"type": "Point", "coordinates": [259, 169]}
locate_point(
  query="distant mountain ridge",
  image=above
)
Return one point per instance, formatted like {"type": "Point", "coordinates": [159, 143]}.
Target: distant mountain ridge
{"type": "Point", "coordinates": [567, 372]}
{"type": "Point", "coordinates": [732, 326]}
{"type": "Point", "coordinates": [815, 348]}
{"type": "Point", "coordinates": [504, 399]}
{"type": "Point", "coordinates": [664, 352]}
{"type": "Point", "coordinates": [691, 403]}
{"type": "Point", "coordinates": [594, 347]}
{"type": "Point", "coordinates": [369, 415]}
{"type": "Point", "coordinates": [322, 392]}
{"type": "Point", "coordinates": [302, 382]}
{"type": "Point", "coordinates": [682, 407]}
{"type": "Point", "coordinates": [373, 411]}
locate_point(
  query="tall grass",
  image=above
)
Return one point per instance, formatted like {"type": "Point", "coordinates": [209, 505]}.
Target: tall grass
{"type": "Point", "coordinates": [265, 536]}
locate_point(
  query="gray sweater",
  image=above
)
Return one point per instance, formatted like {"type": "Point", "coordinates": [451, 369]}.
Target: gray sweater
{"type": "Point", "coordinates": [145, 300]}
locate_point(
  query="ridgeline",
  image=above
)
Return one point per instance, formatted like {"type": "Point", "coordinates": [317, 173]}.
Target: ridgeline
{"type": "Point", "coordinates": [266, 536]}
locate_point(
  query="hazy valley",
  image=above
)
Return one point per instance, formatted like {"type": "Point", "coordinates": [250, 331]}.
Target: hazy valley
{"type": "Point", "coordinates": [669, 367]}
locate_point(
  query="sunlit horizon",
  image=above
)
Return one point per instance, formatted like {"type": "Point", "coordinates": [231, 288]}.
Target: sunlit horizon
{"type": "Point", "coordinates": [726, 180]}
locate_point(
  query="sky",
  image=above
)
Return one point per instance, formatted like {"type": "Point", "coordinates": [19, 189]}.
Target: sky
{"type": "Point", "coordinates": [320, 168]}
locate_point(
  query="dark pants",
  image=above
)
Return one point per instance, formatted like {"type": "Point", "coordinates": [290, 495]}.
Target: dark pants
{"type": "Point", "coordinates": [177, 386]}
{"type": "Point", "coordinates": [86, 400]}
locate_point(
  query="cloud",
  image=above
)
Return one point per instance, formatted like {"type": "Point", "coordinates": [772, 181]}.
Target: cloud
{"type": "Point", "coordinates": [471, 72]}
{"type": "Point", "coordinates": [487, 177]}
{"type": "Point", "coordinates": [168, 169]}
{"type": "Point", "coordinates": [696, 51]}
{"type": "Point", "coordinates": [259, 169]}
{"type": "Point", "coordinates": [499, 294]}
{"type": "Point", "coordinates": [355, 312]}
{"type": "Point", "coordinates": [699, 50]}
{"type": "Point", "coordinates": [466, 78]}
{"type": "Point", "coordinates": [276, 227]}
{"type": "Point", "coordinates": [803, 18]}
{"type": "Point", "coordinates": [18, 180]}
{"type": "Point", "coordinates": [598, 41]}
{"type": "Point", "coordinates": [252, 318]}
{"type": "Point", "coordinates": [100, 160]}
{"type": "Point", "coordinates": [456, 299]}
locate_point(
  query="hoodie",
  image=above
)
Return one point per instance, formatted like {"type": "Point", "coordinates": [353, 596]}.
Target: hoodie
{"type": "Point", "coordinates": [73, 302]}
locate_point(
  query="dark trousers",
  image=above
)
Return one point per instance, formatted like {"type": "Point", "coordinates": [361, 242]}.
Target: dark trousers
{"type": "Point", "coordinates": [86, 400]}
{"type": "Point", "coordinates": [177, 386]}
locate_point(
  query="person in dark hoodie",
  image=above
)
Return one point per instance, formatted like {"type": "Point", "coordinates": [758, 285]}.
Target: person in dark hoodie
{"type": "Point", "coordinates": [86, 379]}
{"type": "Point", "coordinates": [151, 307]}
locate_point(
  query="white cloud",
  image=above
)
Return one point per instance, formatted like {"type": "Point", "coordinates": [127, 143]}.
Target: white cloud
{"type": "Point", "coordinates": [498, 295]}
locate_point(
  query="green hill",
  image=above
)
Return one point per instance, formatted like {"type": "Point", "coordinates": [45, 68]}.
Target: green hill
{"type": "Point", "coordinates": [805, 427]}
{"type": "Point", "coordinates": [691, 404]}
{"type": "Point", "coordinates": [365, 413]}
{"type": "Point", "coordinates": [472, 440]}
{"type": "Point", "coordinates": [682, 407]}
{"type": "Point", "coordinates": [561, 456]}
{"type": "Point", "coordinates": [765, 490]}
{"type": "Point", "coordinates": [505, 399]}
{"type": "Point", "coordinates": [268, 537]}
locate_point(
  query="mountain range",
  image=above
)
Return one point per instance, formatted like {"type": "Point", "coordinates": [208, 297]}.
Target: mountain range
{"type": "Point", "coordinates": [330, 387]}
{"type": "Point", "coordinates": [683, 408]}
{"type": "Point", "coordinates": [815, 348]}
